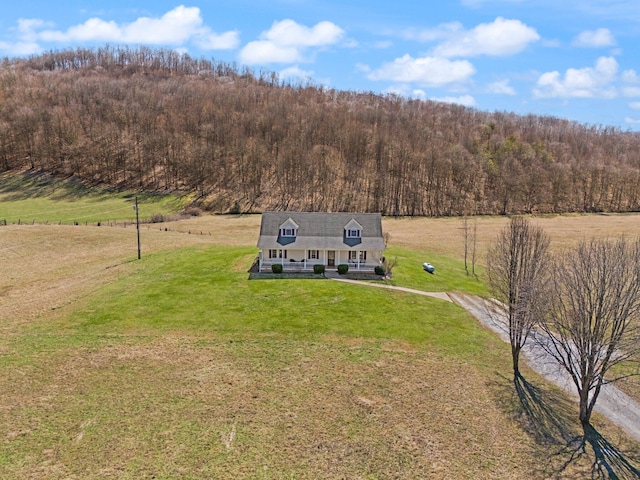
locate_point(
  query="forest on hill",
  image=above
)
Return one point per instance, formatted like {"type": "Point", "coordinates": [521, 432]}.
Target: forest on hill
{"type": "Point", "coordinates": [246, 141]}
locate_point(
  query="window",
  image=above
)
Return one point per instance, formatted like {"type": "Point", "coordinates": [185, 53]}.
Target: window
{"type": "Point", "coordinates": [287, 232]}
{"type": "Point", "coordinates": [273, 253]}
{"type": "Point", "coordinates": [353, 233]}
{"type": "Point", "coordinates": [313, 254]}
{"type": "Point", "coordinates": [356, 256]}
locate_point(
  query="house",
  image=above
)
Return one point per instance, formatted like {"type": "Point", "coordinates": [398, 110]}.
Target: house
{"type": "Point", "coordinates": [299, 240]}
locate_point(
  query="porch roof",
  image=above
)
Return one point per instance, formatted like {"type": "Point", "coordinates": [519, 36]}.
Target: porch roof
{"type": "Point", "coordinates": [320, 243]}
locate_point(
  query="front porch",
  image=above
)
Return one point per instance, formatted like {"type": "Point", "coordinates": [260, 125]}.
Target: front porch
{"type": "Point", "coordinates": [303, 260]}
{"type": "Point", "coordinates": [331, 272]}
{"type": "Point", "coordinates": [307, 266]}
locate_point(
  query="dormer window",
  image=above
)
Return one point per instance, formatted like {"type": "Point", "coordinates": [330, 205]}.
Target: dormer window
{"type": "Point", "coordinates": [288, 232]}
{"type": "Point", "coordinates": [288, 229]}
{"type": "Point", "coordinates": [353, 229]}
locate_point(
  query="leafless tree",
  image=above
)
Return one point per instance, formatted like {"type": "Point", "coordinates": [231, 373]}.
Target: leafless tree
{"type": "Point", "coordinates": [470, 233]}
{"type": "Point", "coordinates": [474, 244]}
{"type": "Point", "coordinates": [465, 232]}
{"type": "Point", "coordinates": [517, 264]}
{"type": "Point", "coordinates": [138, 118]}
{"type": "Point", "coordinates": [593, 323]}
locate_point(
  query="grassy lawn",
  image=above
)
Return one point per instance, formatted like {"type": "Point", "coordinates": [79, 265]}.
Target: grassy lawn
{"type": "Point", "coordinates": [449, 274]}
{"type": "Point", "coordinates": [36, 198]}
{"type": "Point", "coordinates": [206, 292]}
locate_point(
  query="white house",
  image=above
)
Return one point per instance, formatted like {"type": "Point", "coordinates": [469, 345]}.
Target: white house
{"type": "Point", "coordinates": [299, 240]}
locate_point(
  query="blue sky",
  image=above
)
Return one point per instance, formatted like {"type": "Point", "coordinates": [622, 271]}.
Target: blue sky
{"type": "Point", "coordinates": [574, 59]}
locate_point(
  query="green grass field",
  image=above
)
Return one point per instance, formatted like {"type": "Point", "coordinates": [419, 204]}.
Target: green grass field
{"type": "Point", "coordinates": [36, 198]}
{"type": "Point", "coordinates": [179, 366]}
{"type": "Point", "coordinates": [449, 275]}
{"type": "Point", "coordinates": [205, 291]}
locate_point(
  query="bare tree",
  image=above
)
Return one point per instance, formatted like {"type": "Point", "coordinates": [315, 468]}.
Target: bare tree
{"type": "Point", "coordinates": [593, 322]}
{"type": "Point", "coordinates": [470, 234]}
{"type": "Point", "coordinates": [474, 243]}
{"type": "Point", "coordinates": [465, 232]}
{"type": "Point", "coordinates": [517, 264]}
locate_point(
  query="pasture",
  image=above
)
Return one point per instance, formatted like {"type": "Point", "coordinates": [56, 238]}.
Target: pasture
{"type": "Point", "coordinates": [39, 198]}
{"type": "Point", "coordinates": [178, 366]}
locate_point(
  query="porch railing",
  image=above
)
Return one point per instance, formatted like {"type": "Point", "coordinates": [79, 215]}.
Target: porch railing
{"type": "Point", "coordinates": [307, 265]}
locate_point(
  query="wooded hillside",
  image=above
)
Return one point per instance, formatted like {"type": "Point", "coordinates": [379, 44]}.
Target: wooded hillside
{"type": "Point", "coordinates": [246, 141]}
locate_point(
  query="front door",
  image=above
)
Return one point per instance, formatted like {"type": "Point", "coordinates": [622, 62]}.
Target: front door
{"type": "Point", "coordinates": [331, 258]}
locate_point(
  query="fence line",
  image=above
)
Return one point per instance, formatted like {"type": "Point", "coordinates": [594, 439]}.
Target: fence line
{"type": "Point", "coordinates": [147, 224]}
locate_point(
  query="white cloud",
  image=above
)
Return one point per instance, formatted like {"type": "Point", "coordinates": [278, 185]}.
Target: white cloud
{"type": "Point", "coordinates": [93, 29]}
{"type": "Point", "coordinates": [27, 28]}
{"type": "Point", "coordinates": [262, 51]}
{"type": "Point", "coordinates": [630, 76]}
{"type": "Point", "coordinates": [633, 80]}
{"type": "Point", "coordinates": [502, 87]}
{"type": "Point", "coordinates": [601, 37]}
{"type": "Point", "coordinates": [465, 100]}
{"type": "Point", "coordinates": [631, 91]}
{"type": "Point", "coordinates": [176, 27]}
{"type": "Point", "coordinates": [425, 71]}
{"type": "Point", "coordinates": [287, 42]}
{"type": "Point", "coordinates": [635, 105]}
{"type": "Point", "coordinates": [20, 48]}
{"type": "Point", "coordinates": [289, 33]}
{"type": "Point", "coordinates": [500, 38]}
{"type": "Point", "coordinates": [633, 121]}
{"type": "Point", "coordinates": [214, 41]}
{"type": "Point", "coordinates": [585, 82]}
{"type": "Point", "coordinates": [296, 72]}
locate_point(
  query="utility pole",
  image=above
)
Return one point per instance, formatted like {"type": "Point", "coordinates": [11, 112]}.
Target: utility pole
{"type": "Point", "coordinates": [137, 225]}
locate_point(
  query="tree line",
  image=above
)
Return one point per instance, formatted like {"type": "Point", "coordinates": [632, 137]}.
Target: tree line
{"type": "Point", "coordinates": [246, 141]}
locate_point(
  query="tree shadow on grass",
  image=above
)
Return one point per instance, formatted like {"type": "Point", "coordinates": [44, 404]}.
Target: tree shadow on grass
{"type": "Point", "coordinates": [548, 413]}
{"type": "Point", "coordinates": [35, 184]}
{"type": "Point", "coordinates": [28, 185]}
{"type": "Point", "coordinates": [609, 461]}
{"type": "Point", "coordinates": [551, 418]}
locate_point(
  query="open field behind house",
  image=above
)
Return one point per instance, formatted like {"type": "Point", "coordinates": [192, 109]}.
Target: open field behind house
{"type": "Point", "coordinates": [178, 366]}
{"type": "Point", "coordinates": [39, 198]}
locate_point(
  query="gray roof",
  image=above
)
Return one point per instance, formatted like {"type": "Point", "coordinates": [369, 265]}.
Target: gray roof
{"type": "Point", "coordinates": [320, 230]}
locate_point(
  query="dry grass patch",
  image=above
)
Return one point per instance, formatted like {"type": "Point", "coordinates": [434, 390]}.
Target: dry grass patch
{"type": "Point", "coordinates": [444, 236]}
{"type": "Point", "coordinates": [180, 407]}
{"type": "Point", "coordinates": [228, 230]}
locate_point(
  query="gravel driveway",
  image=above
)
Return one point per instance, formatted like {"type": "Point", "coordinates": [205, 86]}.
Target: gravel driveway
{"type": "Point", "coordinates": [612, 402]}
